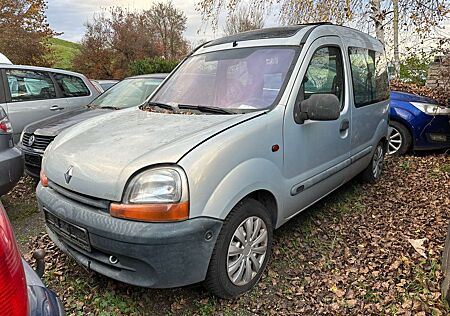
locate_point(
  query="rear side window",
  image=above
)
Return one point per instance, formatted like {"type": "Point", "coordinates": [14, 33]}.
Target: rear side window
{"type": "Point", "coordinates": [28, 85]}
{"type": "Point", "coordinates": [72, 86]}
{"type": "Point", "coordinates": [369, 75]}
{"type": "Point", "coordinates": [325, 74]}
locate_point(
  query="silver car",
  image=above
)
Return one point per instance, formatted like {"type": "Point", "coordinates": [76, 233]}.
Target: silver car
{"type": "Point", "coordinates": [29, 94]}
{"type": "Point", "coordinates": [246, 133]}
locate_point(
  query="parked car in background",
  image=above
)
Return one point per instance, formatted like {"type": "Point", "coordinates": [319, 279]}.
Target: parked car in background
{"type": "Point", "coordinates": [417, 123]}
{"type": "Point", "coordinates": [28, 94]}
{"type": "Point", "coordinates": [103, 85]}
{"type": "Point", "coordinates": [4, 60]}
{"type": "Point", "coordinates": [22, 291]}
{"type": "Point", "coordinates": [11, 161]}
{"type": "Point", "coordinates": [249, 131]}
{"type": "Point", "coordinates": [129, 92]}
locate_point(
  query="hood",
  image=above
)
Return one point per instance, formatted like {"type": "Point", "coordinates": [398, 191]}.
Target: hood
{"type": "Point", "coordinates": [53, 125]}
{"type": "Point", "coordinates": [104, 152]}
{"type": "Point", "coordinates": [409, 97]}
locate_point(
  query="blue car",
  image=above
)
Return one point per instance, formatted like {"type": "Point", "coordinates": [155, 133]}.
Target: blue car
{"type": "Point", "coordinates": [417, 123]}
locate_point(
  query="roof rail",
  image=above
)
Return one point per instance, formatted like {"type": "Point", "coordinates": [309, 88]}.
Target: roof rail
{"type": "Point", "coordinates": [314, 25]}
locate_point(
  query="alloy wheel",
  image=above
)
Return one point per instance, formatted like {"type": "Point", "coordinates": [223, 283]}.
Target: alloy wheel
{"type": "Point", "coordinates": [395, 141]}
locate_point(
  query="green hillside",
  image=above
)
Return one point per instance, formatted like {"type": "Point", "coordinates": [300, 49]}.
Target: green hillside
{"type": "Point", "coordinates": [64, 53]}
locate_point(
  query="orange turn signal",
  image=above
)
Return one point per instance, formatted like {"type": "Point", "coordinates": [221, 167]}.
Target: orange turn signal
{"type": "Point", "coordinates": [151, 212]}
{"type": "Point", "coordinates": [43, 178]}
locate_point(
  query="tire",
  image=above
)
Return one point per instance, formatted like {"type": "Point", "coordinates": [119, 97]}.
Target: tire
{"type": "Point", "coordinates": [218, 280]}
{"type": "Point", "coordinates": [400, 139]}
{"type": "Point", "coordinates": [374, 170]}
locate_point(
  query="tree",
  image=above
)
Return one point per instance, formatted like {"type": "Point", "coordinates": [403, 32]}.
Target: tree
{"type": "Point", "coordinates": [414, 69]}
{"type": "Point", "coordinates": [169, 24]}
{"type": "Point", "coordinates": [244, 20]}
{"type": "Point", "coordinates": [113, 40]}
{"type": "Point", "coordinates": [415, 18]}
{"type": "Point", "coordinates": [24, 32]}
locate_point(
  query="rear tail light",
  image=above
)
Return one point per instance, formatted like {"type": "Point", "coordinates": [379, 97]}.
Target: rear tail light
{"type": "Point", "coordinates": [5, 124]}
{"type": "Point", "coordinates": [13, 287]}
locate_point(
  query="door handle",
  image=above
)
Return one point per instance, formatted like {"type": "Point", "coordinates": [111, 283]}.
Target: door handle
{"type": "Point", "coordinates": [56, 108]}
{"type": "Point", "coordinates": [345, 124]}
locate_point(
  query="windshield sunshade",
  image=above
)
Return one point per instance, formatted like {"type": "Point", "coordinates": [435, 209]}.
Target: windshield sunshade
{"type": "Point", "coordinates": [238, 79]}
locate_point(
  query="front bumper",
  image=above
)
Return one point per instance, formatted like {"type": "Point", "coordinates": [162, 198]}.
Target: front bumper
{"type": "Point", "coordinates": [154, 255]}
{"type": "Point", "coordinates": [11, 169]}
{"type": "Point", "coordinates": [41, 300]}
{"type": "Point", "coordinates": [432, 132]}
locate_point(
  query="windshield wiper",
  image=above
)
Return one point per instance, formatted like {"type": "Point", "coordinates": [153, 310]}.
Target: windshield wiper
{"type": "Point", "coordinates": [110, 107]}
{"type": "Point", "coordinates": [204, 108]}
{"type": "Point", "coordinates": [162, 106]}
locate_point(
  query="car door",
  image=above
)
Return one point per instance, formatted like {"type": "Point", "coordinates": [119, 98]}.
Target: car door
{"type": "Point", "coordinates": [74, 90]}
{"type": "Point", "coordinates": [371, 99]}
{"type": "Point", "coordinates": [317, 152]}
{"type": "Point", "coordinates": [31, 95]}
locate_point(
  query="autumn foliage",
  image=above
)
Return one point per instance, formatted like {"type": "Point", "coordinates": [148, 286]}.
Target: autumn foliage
{"type": "Point", "coordinates": [24, 32]}
{"type": "Point", "coordinates": [117, 38]}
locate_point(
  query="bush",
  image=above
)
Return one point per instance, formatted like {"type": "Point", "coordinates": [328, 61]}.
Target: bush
{"type": "Point", "coordinates": [151, 65]}
{"type": "Point", "coordinates": [414, 70]}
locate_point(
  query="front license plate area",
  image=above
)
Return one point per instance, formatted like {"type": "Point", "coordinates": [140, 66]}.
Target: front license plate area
{"type": "Point", "coordinates": [70, 232]}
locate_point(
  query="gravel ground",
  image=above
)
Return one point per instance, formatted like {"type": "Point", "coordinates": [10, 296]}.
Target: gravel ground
{"type": "Point", "coordinates": [350, 254]}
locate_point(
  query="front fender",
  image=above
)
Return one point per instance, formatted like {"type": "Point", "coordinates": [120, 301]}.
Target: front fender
{"type": "Point", "coordinates": [259, 174]}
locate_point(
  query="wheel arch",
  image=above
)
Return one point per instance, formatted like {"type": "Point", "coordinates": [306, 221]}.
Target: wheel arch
{"type": "Point", "coordinates": [408, 127]}
{"type": "Point", "coordinates": [268, 200]}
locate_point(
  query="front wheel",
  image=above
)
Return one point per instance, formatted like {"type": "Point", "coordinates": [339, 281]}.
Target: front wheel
{"type": "Point", "coordinates": [242, 250]}
{"type": "Point", "coordinates": [373, 171]}
{"type": "Point", "coordinates": [400, 139]}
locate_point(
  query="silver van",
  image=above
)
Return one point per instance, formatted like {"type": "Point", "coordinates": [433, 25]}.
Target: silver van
{"type": "Point", "coordinates": [246, 133]}
{"type": "Point", "coordinates": [28, 93]}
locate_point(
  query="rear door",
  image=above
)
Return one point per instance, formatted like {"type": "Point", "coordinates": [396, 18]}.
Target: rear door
{"type": "Point", "coordinates": [371, 98]}
{"type": "Point", "coordinates": [316, 152]}
{"type": "Point", "coordinates": [31, 95]}
{"type": "Point", "coordinates": [75, 90]}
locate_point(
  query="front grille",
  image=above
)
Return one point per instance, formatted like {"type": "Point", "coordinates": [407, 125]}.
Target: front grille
{"type": "Point", "coordinates": [33, 160]}
{"type": "Point", "coordinates": [100, 204]}
{"type": "Point", "coordinates": [40, 142]}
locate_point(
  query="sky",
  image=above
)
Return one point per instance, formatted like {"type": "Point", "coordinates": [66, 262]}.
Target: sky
{"type": "Point", "coordinates": [69, 16]}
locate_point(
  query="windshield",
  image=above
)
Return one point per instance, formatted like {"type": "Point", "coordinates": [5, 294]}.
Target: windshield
{"type": "Point", "coordinates": [127, 93]}
{"type": "Point", "coordinates": [238, 79]}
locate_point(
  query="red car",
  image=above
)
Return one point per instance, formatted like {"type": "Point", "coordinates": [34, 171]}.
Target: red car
{"type": "Point", "coordinates": [21, 290]}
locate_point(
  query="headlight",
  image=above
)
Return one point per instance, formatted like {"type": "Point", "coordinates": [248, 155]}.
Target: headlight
{"type": "Point", "coordinates": [162, 185]}
{"type": "Point", "coordinates": [155, 195]}
{"type": "Point", "coordinates": [431, 109]}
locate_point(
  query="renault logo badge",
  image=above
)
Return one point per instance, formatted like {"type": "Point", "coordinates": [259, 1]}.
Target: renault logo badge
{"type": "Point", "coordinates": [31, 140]}
{"type": "Point", "coordinates": [68, 175]}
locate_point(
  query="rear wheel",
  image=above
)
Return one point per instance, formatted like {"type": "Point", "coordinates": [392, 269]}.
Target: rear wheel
{"type": "Point", "coordinates": [242, 250]}
{"type": "Point", "coordinates": [400, 139]}
{"type": "Point", "coordinates": [373, 171]}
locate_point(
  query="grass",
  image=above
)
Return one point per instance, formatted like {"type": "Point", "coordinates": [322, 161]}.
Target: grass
{"type": "Point", "coordinates": [64, 53]}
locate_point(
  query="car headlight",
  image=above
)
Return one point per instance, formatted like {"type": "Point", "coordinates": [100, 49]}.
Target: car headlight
{"type": "Point", "coordinates": [162, 185]}
{"type": "Point", "coordinates": [155, 195]}
{"type": "Point", "coordinates": [431, 109]}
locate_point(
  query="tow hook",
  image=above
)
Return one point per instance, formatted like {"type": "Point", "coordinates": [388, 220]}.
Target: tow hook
{"type": "Point", "coordinates": [39, 255]}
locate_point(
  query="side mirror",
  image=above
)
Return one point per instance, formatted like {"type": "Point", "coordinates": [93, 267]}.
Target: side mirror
{"type": "Point", "coordinates": [318, 107]}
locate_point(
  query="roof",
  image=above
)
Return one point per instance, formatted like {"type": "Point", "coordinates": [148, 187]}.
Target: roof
{"type": "Point", "coordinates": [60, 71]}
{"type": "Point", "coordinates": [265, 33]}
{"type": "Point", "coordinates": [296, 35]}
{"type": "Point", "coordinates": [150, 76]}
